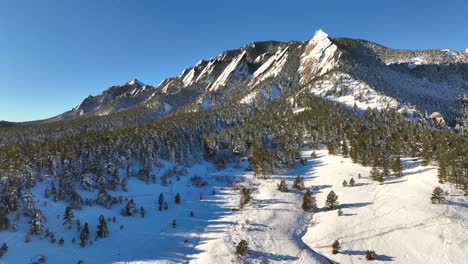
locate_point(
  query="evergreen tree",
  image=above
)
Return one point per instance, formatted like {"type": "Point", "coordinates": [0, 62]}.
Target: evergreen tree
{"type": "Point", "coordinates": [129, 209]}
{"type": "Point", "coordinates": [177, 199]}
{"type": "Point", "coordinates": [282, 186]}
{"type": "Point", "coordinates": [344, 149]}
{"type": "Point", "coordinates": [298, 183]}
{"type": "Point", "coordinates": [124, 185]}
{"type": "Point", "coordinates": [340, 212]}
{"type": "Point", "coordinates": [3, 249]}
{"type": "Point", "coordinates": [37, 224]}
{"type": "Point", "coordinates": [371, 255]}
{"type": "Point", "coordinates": [352, 182]}
{"type": "Point", "coordinates": [336, 247]}
{"type": "Point", "coordinates": [332, 200]}
{"type": "Point", "coordinates": [242, 248]}
{"type": "Point", "coordinates": [438, 195]}
{"type": "Point", "coordinates": [397, 167]}
{"type": "Point", "coordinates": [142, 212]}
{"type": "Point", "coordinates": [84, 235]}
{"type": "Point", "coordinates": [161, 201]}
{"type": "Point", "coordinates": [102, 230]}
{"type": "Point", "coordinates": [174, 223]}
{"type": "Point", "coordinates": [28, 202]}
{"type": "Point", "coordinates": [61, 241]}
{"type": "Point", "coordinates": [345, 183]}
{"type": "Point", "coordinates": [68, 216]}
{"type": "Point", "coordinates": [309, 203]}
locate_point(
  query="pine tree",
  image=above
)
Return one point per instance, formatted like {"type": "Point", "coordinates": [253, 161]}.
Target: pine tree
{"type": "Point", "coordinates": [371, 255]}
{"type": "Point", "coordinates": [375, 174]}
{"type": "Point", "coordinates": [397, 167]}
{"type": "Point", "coordinates": [242, 248]}
{"type": "Point", "coordinates": [344, 149]}
{"type": "Point", "coordinates": [336, 247]}
{"type": "Point", "coordinates": [438, 195]}
{"type": "Point", "coordinates": [352, 182]}
{"type": "Point", "coordinates": [37, 223]}
{"type": "Point", "coordinates": [129, 209]}
{"type": "Point", "coordinates": [68, 216]}
{"type": "Point", "coordinates": [174, 223]}
{"type": "Point", "coordinates": [345, 183]}
{"type": "Point", "coordinates": [3, 249]}
{"type": "Point", "coordinates": [142, 212]}
{"type": "Point", "coordinates": [332, 200]}
{"type": "Point", "coordinates": [177, 199]}
{"type": "Point", "coordinates": [282, 186]}
{"type": "Point", "coordinates": [161, 201]}
{"type": "Point", "coordinates": [84, 235]}
{"type": "Point", "coordinates": [61, 241]}
{"type": "Point", "coordinates": [124, 185]}
{"type": "Point", "coordinates": [298, 183]}
{"type": "Point", "coordinates": [340, 212]}
{"type": "Point", "coordinates": [102, 230]}
{"type": "Point", "coordinates": [309, 203]}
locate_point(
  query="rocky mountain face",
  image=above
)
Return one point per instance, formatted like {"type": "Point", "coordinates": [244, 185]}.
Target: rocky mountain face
{"type": "Point", "coordinates": [355, 72]}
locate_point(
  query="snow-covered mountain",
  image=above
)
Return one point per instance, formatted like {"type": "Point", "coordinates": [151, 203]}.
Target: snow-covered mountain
{"type": "Point", "coordinates": [347, 70]}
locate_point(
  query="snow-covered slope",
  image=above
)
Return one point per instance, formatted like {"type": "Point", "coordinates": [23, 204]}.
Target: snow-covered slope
{"type": "Point", "coordinates": [395, 219]}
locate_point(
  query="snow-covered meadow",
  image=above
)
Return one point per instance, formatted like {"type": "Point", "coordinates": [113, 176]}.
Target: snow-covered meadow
{"type": "Point", "coordinates": [396, 219]}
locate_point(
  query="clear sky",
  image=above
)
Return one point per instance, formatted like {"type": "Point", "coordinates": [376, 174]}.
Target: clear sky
{"type": "Point", "coordinates": [54, 53]}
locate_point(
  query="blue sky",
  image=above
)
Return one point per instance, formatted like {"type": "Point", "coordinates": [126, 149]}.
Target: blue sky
{"type": "Point", "coordinates": [54, 53]}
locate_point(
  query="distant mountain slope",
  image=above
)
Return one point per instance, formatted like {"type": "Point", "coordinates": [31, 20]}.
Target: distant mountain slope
{"type": "Point", "coordinates": [348, 70]}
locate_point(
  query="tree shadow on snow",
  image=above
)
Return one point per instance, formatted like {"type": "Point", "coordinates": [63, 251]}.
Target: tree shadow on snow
{"type": "Point", "coordinates": [319, 188]}
{"type": "Point", "coordinates": [363, 254]}
{"type": "Point", "coordinates": [457, 204]}
{"type": "Point", "coordinates": [270, 256]}
{"type": "Point", "coordinates": [353, 205]}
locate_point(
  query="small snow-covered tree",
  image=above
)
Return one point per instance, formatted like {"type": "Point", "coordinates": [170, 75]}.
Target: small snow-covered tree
{"type": "Point", "coordinates": [345, 183]}
{"type": "Point", "coordinates": [336, 247]}
{"type": "Point", "coordinates": [161, 202]}
{"type": "Point", "coordinates": [371, 255]}
{"type": "Point", "coordinates": [84, 235]}
{"type": "Point", "coordinates": [28, 203]}
{"type": "Point", "coordinates": [3, 249]}
{"type": "Point", "coordinates": [332, 200]}
{"type": "Point", "coordinates": [37, 224]}
{"type": "Point", "coordinates": [309, 203]}
{"type": "Point", "coordinates": [68, 216]}
{"type": "Point", "coordinates": [102, 230]}
{"type": "Point", "coordinates": [352, 182]}
{"type": "Point", "coordinates": [298, 183]}
{"type": "Point", "coordinates": [282, 186]}
{"type": "Point", "coordinates": [177, 198]}
{"type": "Point", "coordinates": [129, 209]}
{"type": "Point", "coordinates": [438, 195]}
{"type": "Point", "coordinates": [242, 248]}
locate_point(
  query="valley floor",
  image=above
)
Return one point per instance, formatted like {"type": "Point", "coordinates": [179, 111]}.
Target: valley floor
{"type": "Point", "coordinates": [396, 219]}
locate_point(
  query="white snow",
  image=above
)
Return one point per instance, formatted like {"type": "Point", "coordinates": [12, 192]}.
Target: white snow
{"type": "Point", "coordinates": [272, 67]}
{"type": "Point", "coordinates": [319, 57]}
{"type": "Point", "coordinates": [236, 67]}
{"type": "Point", "coordinates": [135, 81]}
{"type": "Point", "coordinates": [395, 219]}
{"type": "Point", "coordinates": [188, 79]}
{"type": "Point", "coordinates": [352, 92]}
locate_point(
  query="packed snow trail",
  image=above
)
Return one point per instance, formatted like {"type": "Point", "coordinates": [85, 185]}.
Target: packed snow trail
{"type": "Point", "coordinates": [273, 224]}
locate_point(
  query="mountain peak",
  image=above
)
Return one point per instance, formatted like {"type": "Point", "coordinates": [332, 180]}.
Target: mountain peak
{"type": "Point", "coordinates": [135, 81]}
{"type": "Point", "coordinates": [319, 36]}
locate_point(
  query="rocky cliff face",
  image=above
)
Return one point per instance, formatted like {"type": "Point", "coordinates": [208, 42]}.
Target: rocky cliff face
{"type": "Point", "coordinates": [347, 70]}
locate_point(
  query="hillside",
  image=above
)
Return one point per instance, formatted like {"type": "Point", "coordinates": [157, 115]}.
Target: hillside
{"type": "Point", "coordinates": [183, 171]}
